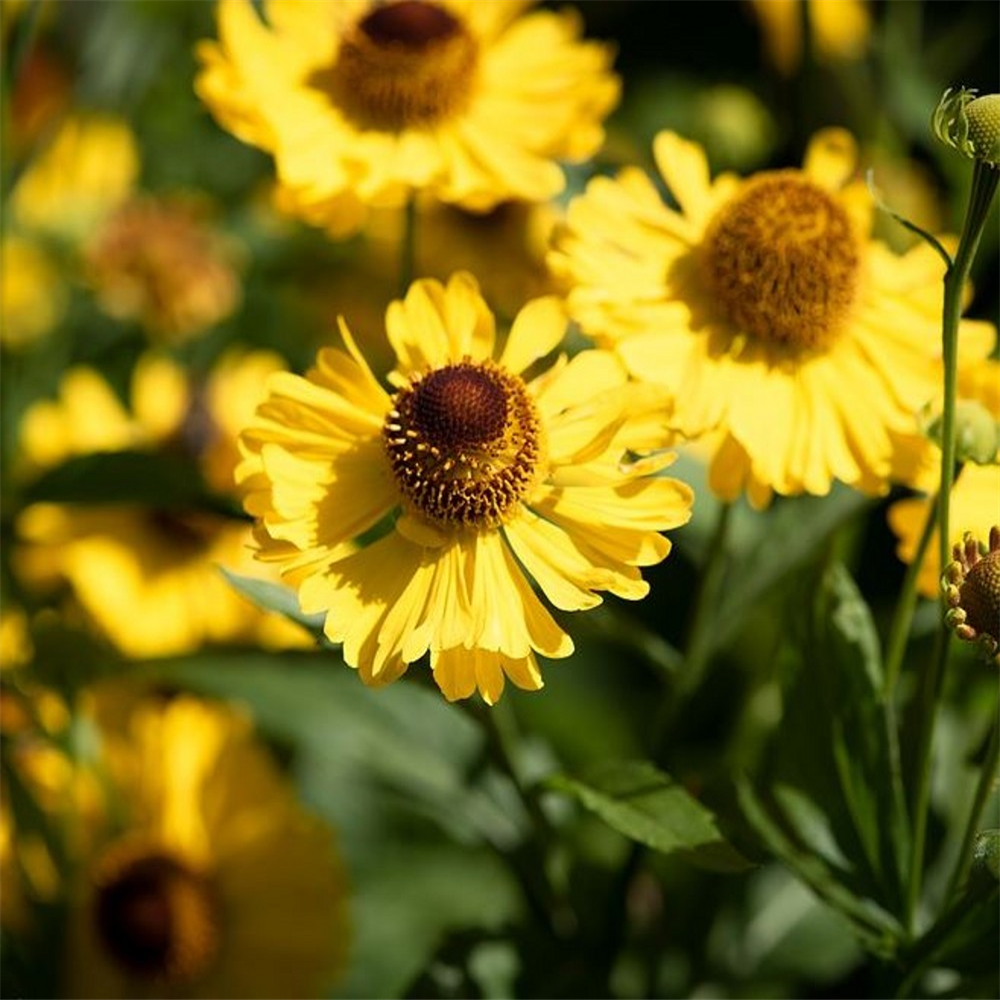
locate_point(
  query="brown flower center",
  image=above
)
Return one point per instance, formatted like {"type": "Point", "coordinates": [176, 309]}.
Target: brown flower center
{"type": "Point", "coordinates": [465, 443]}
{"type": "Point", "coordinates": [980, 595]}
{"type": "Point", "coordinates": [155, 915]}
{"type": "Point", "coordinates": [406, 64]}
{"type": "Point", "coordinates": [781, 260]}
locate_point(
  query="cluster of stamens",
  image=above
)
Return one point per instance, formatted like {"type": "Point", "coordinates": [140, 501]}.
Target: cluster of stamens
{"type": "Point", "coordinates": [465, 444]}
{"type": "Point", "coordinates": [781, 261]}
{"type": "Point", "coordinates": [405, 64]}
{"type": "Point", "coordinates": [971, 584]}
{"type": "Point", "coordinates": [155, 915]}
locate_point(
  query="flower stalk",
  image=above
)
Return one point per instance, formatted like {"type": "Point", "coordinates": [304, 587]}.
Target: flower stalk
{"type": "Point", "coordinates": [952, 125]}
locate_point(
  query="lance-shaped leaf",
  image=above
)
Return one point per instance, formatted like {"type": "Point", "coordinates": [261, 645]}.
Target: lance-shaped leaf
{"type": "Point", "coordinates": [648, 806]}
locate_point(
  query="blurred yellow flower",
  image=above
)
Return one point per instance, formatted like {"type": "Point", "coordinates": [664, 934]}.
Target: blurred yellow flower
{"type": "Point", "coordinates": [361, 103]}
{"type": "Point", "coordinates": [461, 485]}
{"type": "Point", "coordinates": [32, 293]}
{"type": "Point", "coordinates": [157, 262]}
{"type": "Point", "coordinates": [838, 30]}
{"type": "Point", "coordinates": [16, 648]}
{"type": "Point", "coordinates": [215, 883]}
{"type": "Point", "coordinates": [149, 577]}
{"type": "Point", "coordinates": [767, 312]}
{"type": "Point", "coordinates": [90, 166]}
{"type": "Point", "coordinates": [975, 495]}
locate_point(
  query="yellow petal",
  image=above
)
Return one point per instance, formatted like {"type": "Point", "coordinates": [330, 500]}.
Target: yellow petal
{"type": "Point", "coordinates": [537, 329]}
{"type": "Point", "coordinates": [831, 158]}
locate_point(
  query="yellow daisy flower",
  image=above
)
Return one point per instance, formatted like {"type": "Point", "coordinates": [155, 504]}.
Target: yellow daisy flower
{"type": "Point", "coordinates": [216, 883]}
{"type": "Point", "coordinates": [149, 578]}
{"type": "Point", "coordinates": [362, 102]}
{"type": "Point", "coordinates": [766, 311]}
{"type": "Point", "coordinates": [460, 486]}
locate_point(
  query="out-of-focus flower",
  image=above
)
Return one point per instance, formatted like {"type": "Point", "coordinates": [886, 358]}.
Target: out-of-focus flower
{"type": "Point", "coordinates": [90, 166]}
{"type": "Point", "coordinates": [971, 584]}
{"type": "Point", "coordinates": [158, 263]}
{"type": "Point", "coordinates": [149, 577]}
{"type": "Point", "coordinates": [32, 293]}
{"type": "Point", "coordinates": [361, 103]}
{"type": "Point", "coordinates": [213, 882]}
{"type": "Point", "coordinates": [472, 480]}
{"type": "Point", "coordinates": [976, 490]}
{"type": "Point", "coordinates": [839, 30]}
{"type": "Point", "coordinates": [766, 311]}
{"type": "Point", "coordinates": [15, 641]}
{"type": "Point", "coordinates": [912, 192]}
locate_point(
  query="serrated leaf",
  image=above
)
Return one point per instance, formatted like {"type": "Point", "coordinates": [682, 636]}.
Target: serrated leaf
{"type": "Point", "coordinates": [648, 806]}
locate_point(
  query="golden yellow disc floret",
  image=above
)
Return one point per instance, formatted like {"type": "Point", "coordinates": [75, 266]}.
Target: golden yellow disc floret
{"type": "Point", "coordinates": [403, 65]}
{"type": "Point", "coordinates": [781, 261]}
{"type": "Point", "coordinates": [465, 444]}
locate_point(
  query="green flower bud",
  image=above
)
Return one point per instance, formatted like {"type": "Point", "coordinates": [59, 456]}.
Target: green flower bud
{"type": "Point", "coordinates": [969, 124]}
{"type": "Point", "coordinates": [986, 856]}
{"type": "Point", "coordinates": [977, 432]}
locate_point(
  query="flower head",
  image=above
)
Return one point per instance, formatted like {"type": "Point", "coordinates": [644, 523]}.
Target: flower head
{"type": "Point", "coordinates": [415, 519]}
{"type": "Point", "coordinates": [969, 124]}
{"type": "Point", "coordinates": [765, 310]}
{"type": "Point", "coordinates": [971, 584]}
{"type": "Point", "coordinates": [89, 167]}
{"type": "Point", "coordinates": [363, 102]}
{"type": "Point", "coordinates": [212, 882]}
{"type": "Point", "coordinates": [148, 577]}
{"type": "Point", "coordinates": [156, 262]}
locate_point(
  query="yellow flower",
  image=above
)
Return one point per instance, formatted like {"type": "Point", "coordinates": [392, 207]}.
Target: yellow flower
{"type": "Point", "coordinates": [158, 263]}
{"type": "Point", "coordinates": [16, 647]}
{"type": "Point", "coordinates": [148, 577]}
{"type": "Point", "coordinates": [839, 30]}
{"type": "Point", "coordinates": [459, 486]}
{"type": "Point", "coordinates": [216, 884]}
{"type": "Point", "coordinates": [975, 492]}
{"type": "Point", "coordinates": [32, 293]}
{"type": "Point", "coordinates": [90, 166]}
{"type": "Point", "coordinates": [362, 102]}
{"type": "Point", "coordinates": [766, 311]}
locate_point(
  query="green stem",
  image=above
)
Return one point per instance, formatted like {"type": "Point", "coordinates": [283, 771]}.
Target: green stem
{"type": "Point", "coordinates": [408, 245]}
{"type": "Point", "coordinates": [987, 781]}
{"type": "Point", "coordinates": [699, 639]}
{"type": "Point", "coordinates": [984, 185]}
{"type": "Point", "coordinates": [502, 737]}
{"type": "Point", "coordinates": [930, 691]}
{"type": "Point", "coordinates": [902, 618]}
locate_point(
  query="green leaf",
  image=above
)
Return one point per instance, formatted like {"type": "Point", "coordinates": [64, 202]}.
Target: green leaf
{"type": "Point", "coordinates": [648, 806]}
{"type": "Point", "coordinates": [274, 597]}
{"type": "Point", "coordinates": [164, 481]}
{"type": "Point", "coordinates": [831, 765]}
{"type": "Point", "coordinates": [877, 930]}
{"type": "Point", "coordinates": [785, 539]}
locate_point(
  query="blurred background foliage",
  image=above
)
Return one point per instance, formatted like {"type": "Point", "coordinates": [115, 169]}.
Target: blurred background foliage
{"type": "Point", "coordinates": [442, 856]}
